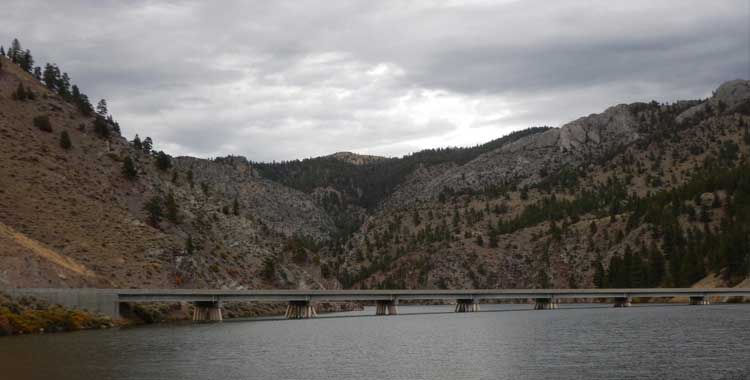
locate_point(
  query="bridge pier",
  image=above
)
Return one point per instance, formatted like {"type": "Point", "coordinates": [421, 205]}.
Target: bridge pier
{"type": "Point", "coordinates": [386, 307]}
{"type": "Point", "coordinates": [207, 311]}
{"type": "Point", "coordinates": [546, 303]}
{"type": "Point", "coordinates": [623, 302]}
{"type": "Point", "coordinates": [467, 305]}
{"type": "Point", "coordinates": [699, 300]}
{"type": "Point", "coordinates": [300, 310]}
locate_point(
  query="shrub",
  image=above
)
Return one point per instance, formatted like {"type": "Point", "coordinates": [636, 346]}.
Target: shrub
{"type": "Point", "coordinates": [65, 142]}
{"type": "Point", "coordinates": [42, 122]}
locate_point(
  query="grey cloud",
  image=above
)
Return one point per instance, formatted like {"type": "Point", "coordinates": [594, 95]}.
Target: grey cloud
{"type": "Point", "coordinates": [287, 79]}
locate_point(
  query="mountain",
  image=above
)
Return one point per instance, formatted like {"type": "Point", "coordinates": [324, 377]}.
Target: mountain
{"type": "Point", "coordinates": [642, 194]}
{"type": "Point", "coordinates": [356, 159]}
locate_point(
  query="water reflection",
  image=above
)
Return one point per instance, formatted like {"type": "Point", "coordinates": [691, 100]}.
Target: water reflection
{"type": "Point", "coordinates": [501, 342]}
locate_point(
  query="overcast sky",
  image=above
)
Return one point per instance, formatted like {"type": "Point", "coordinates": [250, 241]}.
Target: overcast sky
{"type": "Point", "coordinates": [276, 80]}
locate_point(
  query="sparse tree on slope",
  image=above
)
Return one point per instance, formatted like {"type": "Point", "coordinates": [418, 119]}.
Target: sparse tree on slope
{"type": "Point", "coordinates": [172, 209]}
{"type": "Point", "coordinates": [15, 51]}
{"type": "Point", "coordinates": [147, 145]}
{"type": "Point", "coordinates": [154, 210]}
{"type": "Point", "coordinates": [51, 76]}
{"type": "Point", "coordinates": [128, 169]}
{"type": "Point", "coordinates": [163, 161]}
{"type": "Point", "coordinates": [137, 143]}
{"type": "Point", "coordinates": [65, 142]}
{"type": "Point", "coordinates": [101, 108]}
{"type": "Point", "coordinates": [101, 127]}
{"type": "Point", "coordinates": [26, 61]}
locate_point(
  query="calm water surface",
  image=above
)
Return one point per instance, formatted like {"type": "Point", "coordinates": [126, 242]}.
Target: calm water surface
{"type": "Point", "coordinates": [501, 342]}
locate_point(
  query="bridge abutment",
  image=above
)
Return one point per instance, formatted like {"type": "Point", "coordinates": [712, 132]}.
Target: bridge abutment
{"type": "Point", "coordinates": [623, 302]}
{"type": "Point", "coordinates": [207, 311]}
{"type": "Point", "coordinates": [467, 305]}
{"type": "Point", "coordinates": [546, 303]}
{"type": "Point", "coordinates": [699, 300]}
{"type": "Point", "coordinates": [300, 310]}
{"type": "Point", "coordinates": [386, 307]}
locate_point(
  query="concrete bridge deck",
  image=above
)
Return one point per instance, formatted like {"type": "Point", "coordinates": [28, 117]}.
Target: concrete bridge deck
{"type": "Point", "coordinates": [208, 301]}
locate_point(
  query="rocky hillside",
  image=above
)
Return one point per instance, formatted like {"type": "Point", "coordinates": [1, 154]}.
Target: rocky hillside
{"type": "Point", "coordinates": [72, 217]}
{"type": "Point", "coordinates": [642, 194]}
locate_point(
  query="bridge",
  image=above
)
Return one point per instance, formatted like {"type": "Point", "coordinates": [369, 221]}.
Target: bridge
{"type": "Point", "coordinates": [301, 303]}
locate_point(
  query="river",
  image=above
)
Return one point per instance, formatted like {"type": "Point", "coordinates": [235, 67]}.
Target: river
{"type": "Point", "coordinates": [425, 342]}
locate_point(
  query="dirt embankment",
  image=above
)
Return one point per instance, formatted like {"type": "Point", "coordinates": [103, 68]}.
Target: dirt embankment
{"type": "Point", "coordinates": [28, 315]}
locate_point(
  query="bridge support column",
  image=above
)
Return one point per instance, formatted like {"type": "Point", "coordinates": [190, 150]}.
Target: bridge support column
{"type": "Point", "coordinates": [699, 300]}
{"type": "Point", "coordinates": [300, 310]}
{"type": "Point", "coordinates": [207, 311]}
{"type": "Point", "coordinates": [623, 302]}
{"type": "Point", "coordinates": [467, 305]}
{"type": "Point", "coordinates": [386, 307]}
{"type": "Point", "coordinates": [546, 303]}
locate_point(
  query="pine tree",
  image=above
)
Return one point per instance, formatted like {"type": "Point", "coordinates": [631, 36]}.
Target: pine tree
{"type": "Point", "coordinates": [147, 145]}
{"type": "Point", "coordinates": [190, 178]}
{"type": "Point", "coordinates": [81, 100]}
{"type": "Point", "coordinates": [2, 51]}
{"type": "Point", "coordinates": [51, 76]}
{"type": "Point", "coordinates": [63, 86]}
{"type": "Point", "coordinates": [101, 108]}
{"type": "Point", "coordinates": [26, 61]}
{"type": "Point", "coordinates": [128, 169]}
{"type": "Point", "coordinates": [163, 161]}
{"type": "Point", "coordinates": [137, 143]}
{"type": "Point", "coordinates": [65, 142]}
{"type": "Point", "coordinates": [15, 51]}
{"type": "Point", "coordinates": [153, 208]}
{"type": "Point", "coordinates": [38, 73]}
{"type": "Point", "coordinates": [656, 266]}
{"type": "Point", "coordinates": [171, 208]}
{"type": "Point", "coordinates": [101, 127]}
{"type": "Point", "coordinates": [600, 276]}
{"type": "Point", "coordinates": [236, 207]}
{"type": "Point", "coordinates": [268, 272]}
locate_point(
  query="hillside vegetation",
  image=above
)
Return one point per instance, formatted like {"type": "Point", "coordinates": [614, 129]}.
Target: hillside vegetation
{"type": "Point", "coordinates": [642, 194]}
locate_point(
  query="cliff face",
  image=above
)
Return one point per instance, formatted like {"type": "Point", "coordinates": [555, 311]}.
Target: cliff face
{"type": "Point", "coordinates": [480, 217]}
